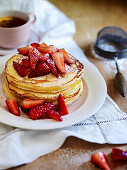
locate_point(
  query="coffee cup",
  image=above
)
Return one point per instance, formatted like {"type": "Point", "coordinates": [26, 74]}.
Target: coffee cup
{"type": "Point", "coordinates": [15, 28]}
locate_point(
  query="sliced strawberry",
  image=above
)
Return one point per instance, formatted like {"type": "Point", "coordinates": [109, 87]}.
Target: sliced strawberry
{"type": "Point", "coordinates": [36, 112]}
{"type": "Point", "coordinates": [44, 45]}
{"type": "Point", "coordinates": [41, 69]}
{"type": "Point", "coordinates": [22, 71]}
{"type": "Point", "coordinates": [33, 55]}
{"type": "Point", "coordinates": [26, 62]}
{"type": "Point", "coordinates": [35, 45]}
{"type": "Point", "coordinates": [24, 50]}
{"type": "Point", "coordinates": [28, 103]}
{"type": "Point", "coordinates": [52, 67]}
{"type": "Point", "coordinates": [47, 49]}
{"type": "Point", "coordinates": [13, 107]}
{"type": "Point", "coordinates": [66, 56]}
{"type": "Point", "coordinates": [119, 154]}
{"type": "Point", "coordinates": [44, 57]}
{"type": "Point", "coordinates": [100, 159]}
{"type": "Point", "coordinates": [54, 115]}
{"type": "Point", "coordinates": [48, 106]}
{"type": "Point", "coordinates": [59, 61]}
{"type": "Point", "coordinates": [62, 108]}
{"type": "Point", "coordinates": [39, 111]}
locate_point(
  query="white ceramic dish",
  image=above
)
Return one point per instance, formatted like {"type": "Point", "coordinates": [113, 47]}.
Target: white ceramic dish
{"type": "Point", "coordinates": [79, 110]}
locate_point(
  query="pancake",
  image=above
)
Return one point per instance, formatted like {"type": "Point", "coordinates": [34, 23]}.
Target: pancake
{"type": "Point", "coordinates": [48, 96]}
{"type": "Point", "coordinates": [68, 99]}
{"type": "Point", "coordinates": [47, 87]}
{"type": "Point", "coordinates": [8, 93]}
{"type": "Point", "coordinates": [47, 83]}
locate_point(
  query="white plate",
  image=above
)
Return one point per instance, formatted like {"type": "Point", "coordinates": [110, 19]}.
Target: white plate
{"type": "Point", "coordinates": [82, 108]}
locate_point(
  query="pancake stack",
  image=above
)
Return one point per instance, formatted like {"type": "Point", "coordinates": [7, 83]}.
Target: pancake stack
{"type": "Point", "coordinates": [47, 87]}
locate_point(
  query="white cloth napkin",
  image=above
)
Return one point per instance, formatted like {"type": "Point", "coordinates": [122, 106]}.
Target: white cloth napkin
{"type": "Point", "coordinates": [108, 125]}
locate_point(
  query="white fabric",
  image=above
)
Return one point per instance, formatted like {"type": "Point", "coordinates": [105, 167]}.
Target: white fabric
{"type": "Point", "coordinates": [108, 125]}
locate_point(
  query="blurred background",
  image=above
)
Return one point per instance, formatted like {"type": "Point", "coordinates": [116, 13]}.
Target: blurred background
{"type": "Point", "coordinates": [92, 15]}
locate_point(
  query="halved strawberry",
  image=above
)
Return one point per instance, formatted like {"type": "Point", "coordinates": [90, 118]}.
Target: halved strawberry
{"type": "Point", "coordinates": [119, 154]}
{"type": "Point", "coordinates": [100, 159]}
{"type": "Point", "coordinates": [48, 106]}
{"type": "Point", "coordinates": [36, 112]}
{"type": "Point", "coordinates": [47, 49]}
{"type": "Point", "coordinates": [44, 57]}
{"type": "Point", "coordinates": [28, 103]}
{"type": "Point", "coordinates": [66, 56]}
{"type": "Point", "coordinates": [33, 55]}
{"type": "Point", "coordinates": [52, 67]}
{"type": "Point", "coordinates": [62, 108]}
{"type": "Point", "coordinates": [44, 44]}
{"type": "Point", "coordinates": [35, 45]}
{"type": "Point", "coordinates": [24, 50]}
{"type": "Point", "coordinates": [26, 62]}
{"type": "Point", "coordinates": [41, 69]}
{"type": "Point", "coordinates": [54, 115]}
{"type": "Point", "coordinates": [22, 71]}
{"type": "Point", "coordinates": [13, 107]}
{"type": "Point", "coordinates": [59, 61]}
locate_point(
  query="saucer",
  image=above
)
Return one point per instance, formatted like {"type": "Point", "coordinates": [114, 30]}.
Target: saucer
{"type": "Point", "coordinates": [33, 38]}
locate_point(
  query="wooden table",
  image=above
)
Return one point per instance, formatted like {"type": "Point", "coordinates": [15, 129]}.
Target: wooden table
{"type": "Point", "coordinates": [89, 16]}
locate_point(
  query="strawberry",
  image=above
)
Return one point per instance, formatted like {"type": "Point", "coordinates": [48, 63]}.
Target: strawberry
{"type": "Point", "coordinates": [54, 115]}
{"type": "Point", "coordinates": [44, 57]}
{"type": "Point", "coordinates": [39, 111]}
{"type": "Point", "coordinates": [62, 108]}
{"type": "Point", "coordinates": [24, 50]}
{"type": "Point", "coordinates": [41, 69]}
{"type": "Point", "coordinates": [22, 71]}
{"type": "Point", "coordinates": [47, 49]}
{"type": "Point", "coordinates": [36, 112]}
{"type": "Point", "coordinates": [43, 117]}
{"type": "Point", "coordinates": [28, 103]}
{"type": "Point", "coordinates": [35, 45]}
{"type": "Point", "coordinates": [119, 154]}
{"type": "Point", "coordinates": [59, 61]}
{"type": "Point", "coordinates": [100, 159]}
{"type": "Point", "coordinates": [48, 106]}
{"type": "Point", "coordinates": [52, 67]}
{"type": "Point", "coordinates": [26, 62]}
{"type": "Point", "coordinates": [66, 56]}
{"type": "Point", "coordinates": [13, 107]}
{"type": "Point", "coordinates": [33, 55]}
{"type": "Point", "coordinates": [44, 44]}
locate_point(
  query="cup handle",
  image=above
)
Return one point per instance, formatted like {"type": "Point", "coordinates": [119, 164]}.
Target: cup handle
{"type": "Point", "coordinates": [33, 16]}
